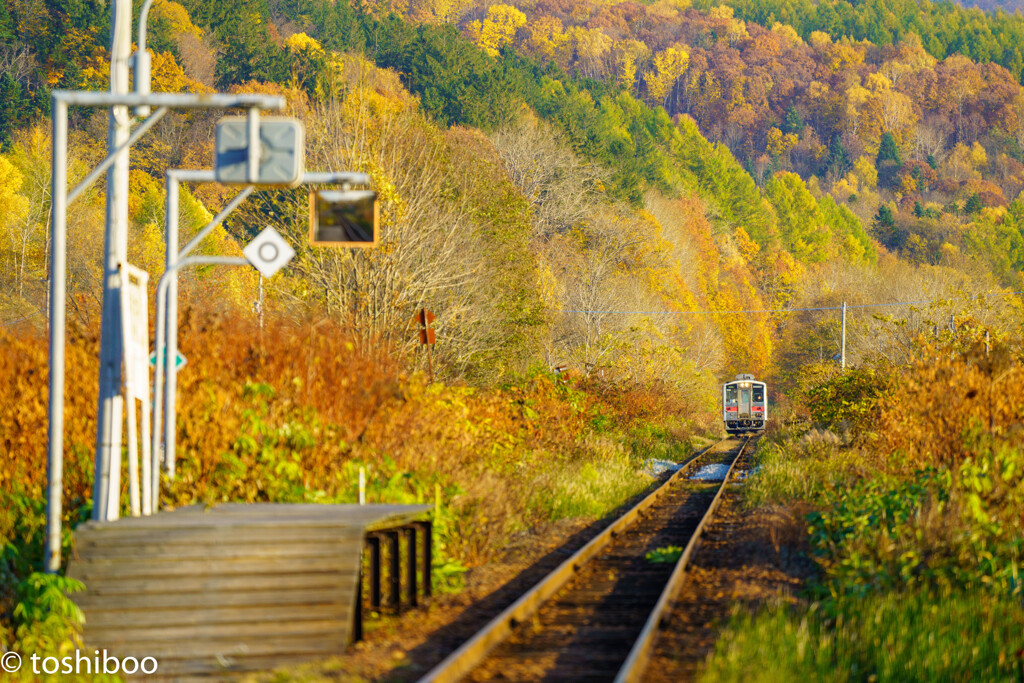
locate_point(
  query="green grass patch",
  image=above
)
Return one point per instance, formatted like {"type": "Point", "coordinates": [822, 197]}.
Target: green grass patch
{"type": "Point", "coordinates": [669, 554]}
{"type": "Point", "coordinates": [591, 488]}
{"type": "Point", "coordinates": [803, 469]}
{"type": "Point", "coordinates": [905, 636]}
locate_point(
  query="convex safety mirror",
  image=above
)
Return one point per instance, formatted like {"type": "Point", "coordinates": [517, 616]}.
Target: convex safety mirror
{"type": "Point", "coordinates": [343, 218]}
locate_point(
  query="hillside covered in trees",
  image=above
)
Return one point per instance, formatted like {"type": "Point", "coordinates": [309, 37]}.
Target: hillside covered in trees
{"type": "Point", "coordinates": [591, 184]}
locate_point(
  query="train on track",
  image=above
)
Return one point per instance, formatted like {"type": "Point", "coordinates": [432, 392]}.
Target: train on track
{"type": "Point", "coordinates": [744, 405]}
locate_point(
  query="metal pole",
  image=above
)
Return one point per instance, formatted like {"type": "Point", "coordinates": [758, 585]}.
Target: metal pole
{"type": "Point", "coordinates": [161, 334]}
{"type": "Point", "coordinates": [110, 412]}
{"type": "Point", "coordinates": [57, 291]}
{"type": "Point", "coordinates": [170, 435]}
{"type": "Point", "coordinates": [842, 350]}
{"type": "Point", "coordinates": [171, 319]}
{"type": "Point", "coordinates": [253, 161]}
{"type": "Point", "coordinates": [259, 303]}
{"type": "Point", "coordinates": [171, 348]}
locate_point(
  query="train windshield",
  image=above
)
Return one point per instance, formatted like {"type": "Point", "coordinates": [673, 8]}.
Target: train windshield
{"type": "Point", "coordinates": [730, 393]}
{"type": "Point", "coordinates": [758, 394]}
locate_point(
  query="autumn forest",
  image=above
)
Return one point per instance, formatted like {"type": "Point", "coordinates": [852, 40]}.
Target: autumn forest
{"type": "Point", "coordinates": [654, 195]}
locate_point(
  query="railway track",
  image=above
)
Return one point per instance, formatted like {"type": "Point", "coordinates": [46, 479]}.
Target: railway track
{"type": "Point", "coordinates": [596, 616]}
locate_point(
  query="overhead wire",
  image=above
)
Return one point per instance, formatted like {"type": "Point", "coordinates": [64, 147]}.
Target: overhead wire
{"type": "Point", "coordinates": [784, 310]}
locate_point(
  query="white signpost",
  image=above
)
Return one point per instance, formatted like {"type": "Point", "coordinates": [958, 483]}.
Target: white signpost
{"type": "Point", "coordinates": [135, 319]}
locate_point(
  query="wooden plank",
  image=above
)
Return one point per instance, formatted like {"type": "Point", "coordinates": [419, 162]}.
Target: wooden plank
{"type": "Point", "coordinates": [223, 535]}
{"type": "Point", "coordinates": [192, 584]}
{"type": "Point", "coordinates": [205, 671]}
{"type": "Point", "coordinates": [271, 514]}
{"type": "Point", "coordinates": [158, 522]}
{"type": "Point", "coordinates": [118, 633]}
{"type": "Point", "coordinates": [250, 586]}
{"type": "Point", "coordinates": [340, 595]}
{"type": "Point", "coordinates": [212, 615]}
{"type": "Point", "coordinates": [226, 647]}
{"type": "Point", "coordinates": [250, 551]}
{"type": "Point", "coordinates": [89, 569]}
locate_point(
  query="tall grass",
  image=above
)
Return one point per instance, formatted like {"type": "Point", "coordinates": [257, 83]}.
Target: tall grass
{"type": "Point", "coordinates": [590, 488]}
{"type": "Point", "coordinates": [804, 468]}
{"type": "Point", "coordinates": [900, 637]}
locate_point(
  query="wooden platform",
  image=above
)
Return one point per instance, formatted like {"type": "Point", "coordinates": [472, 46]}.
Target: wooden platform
{"type": "Point", "coordinates": [233, 587]}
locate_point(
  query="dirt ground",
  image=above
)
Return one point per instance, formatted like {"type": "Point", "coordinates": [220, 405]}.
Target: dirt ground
{"type": "Point", "coordinates": [745, 557]}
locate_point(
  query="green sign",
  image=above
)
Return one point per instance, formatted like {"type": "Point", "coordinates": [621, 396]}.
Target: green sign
{"type": "Point", "coordinates": [179, 361]}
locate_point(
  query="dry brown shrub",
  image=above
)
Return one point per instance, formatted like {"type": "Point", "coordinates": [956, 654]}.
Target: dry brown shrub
{"type": "Point", "coordinates": [24, 394]}
{"type": "Point", "coordinates": [245, 390]}
{"type": "Point", "coordinates": [945, 396]}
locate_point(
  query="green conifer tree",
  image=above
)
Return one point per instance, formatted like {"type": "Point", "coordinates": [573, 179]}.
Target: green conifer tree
{"type": "Point", "coordinates": [888, 161]}
{"type": "Point", "coordinates": [793, 122]}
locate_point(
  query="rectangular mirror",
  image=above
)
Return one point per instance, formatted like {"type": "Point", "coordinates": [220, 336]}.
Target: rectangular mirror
{"type": "Point", "coordinates": [343, 218]}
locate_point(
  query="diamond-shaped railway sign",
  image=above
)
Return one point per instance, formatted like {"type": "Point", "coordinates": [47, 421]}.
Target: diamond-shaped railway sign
{"type": "Point", "coordinates": [268, 252]}
{"type": "Point", "coordinates": [282, 159]}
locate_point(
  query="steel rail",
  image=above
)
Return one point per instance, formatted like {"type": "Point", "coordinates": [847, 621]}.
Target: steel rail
{"type": "Point", "coordinates": [475, 650]}
{"type": "Point", "coordinates": [639, 656]}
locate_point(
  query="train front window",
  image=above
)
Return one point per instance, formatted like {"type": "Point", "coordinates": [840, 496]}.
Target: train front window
{"type": "Point", "coordinates": [730, 393]}
{"type": "Point", "coordinates": [758, 394]}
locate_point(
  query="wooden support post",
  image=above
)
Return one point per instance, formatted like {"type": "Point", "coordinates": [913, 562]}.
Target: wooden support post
{"type": "Point", "coordinates": [428, 557]}
{"type": "Point", "coordinates": [395, 575]}
{"type": "Point", "coordinates": [375, 569]}
{"type": "Point", "coordinates": [357, 617]}
{"type": "Point", "coordinates": [410, 569]}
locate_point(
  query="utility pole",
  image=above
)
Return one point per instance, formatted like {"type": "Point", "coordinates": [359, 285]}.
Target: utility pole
{"type": "Point", "coordinates": [842, 348]}
{"type": "Point", "coordinates": [259, 303]}
{"type": "Point", "coordinates": [110, 412]}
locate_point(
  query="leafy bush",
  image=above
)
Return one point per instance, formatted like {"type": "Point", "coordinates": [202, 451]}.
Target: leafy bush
{"type": "Point", "coordinates": [959, 528]}
{"type": "Point", "coordinates": [849, 401]}
{"type": "Point", "coordinates": [47, 619]}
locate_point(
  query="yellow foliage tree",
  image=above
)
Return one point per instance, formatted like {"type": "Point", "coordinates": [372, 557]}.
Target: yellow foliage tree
{"type": "Point", "coordinates": [15, 240]}
{"type": "Point", "coordinates": [499, 28]}
{"type": "Point", "coordinates": [669, 65]}
{"type": "Point", "coordinates": [593, 49]}
{"type": "Point", "coordinates": [787, 33]}
{"type": "Point", "coordinates": [631, 52]}
{"type": "Point", "coordinates": [779, 145]}
{"type": "Point", "coordinates": [176, 17]}
{"type": "Point", "coordinates": [964, 163]}
{"type": "Point", "coordinates": [866, 172]}
{"type": "Point", "coordinates": [545, 39]}
{"type": "Point", "coordinates": [169, 77]}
